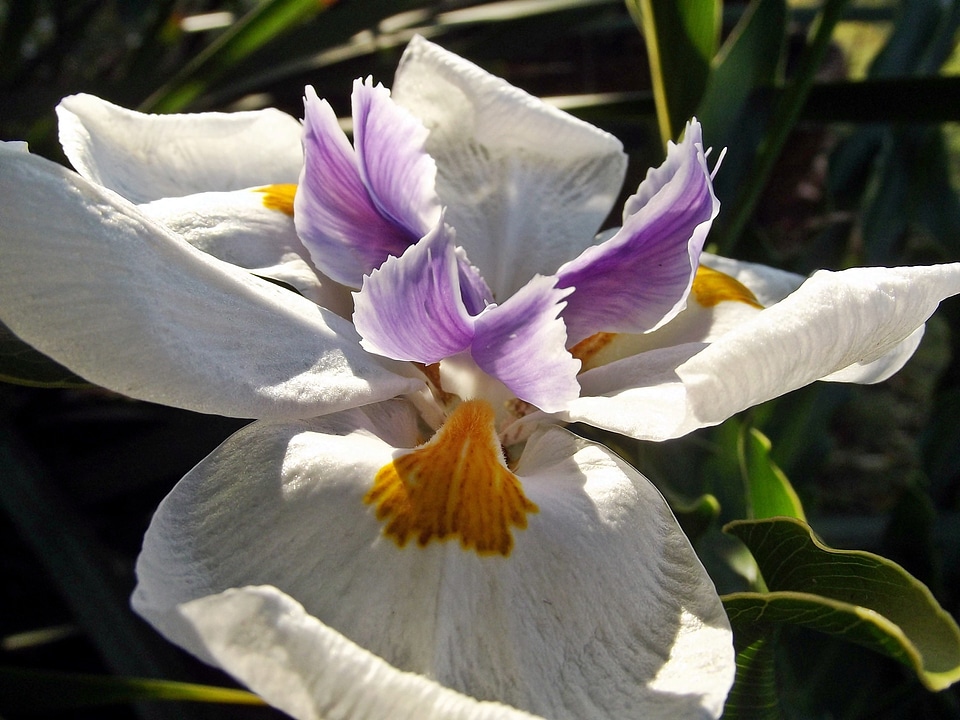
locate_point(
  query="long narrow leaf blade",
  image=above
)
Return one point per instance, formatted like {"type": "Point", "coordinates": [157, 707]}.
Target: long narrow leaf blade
{"type": "Point", "coordinates": [681, 41]}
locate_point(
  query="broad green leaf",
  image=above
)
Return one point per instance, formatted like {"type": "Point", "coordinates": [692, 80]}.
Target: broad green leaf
{"type": "Point", "coordinates": [681, 40]}
{"type": "Point", "coordinates": [754, 692]}
{"type": "Point", "coordinates": [260, 25]}
{"type": "Point", "coordinates": [21, 364]}
{"type": "Point", "coordinates": [35, 691]}
{"type": "Point", "coordinates": [769, 492]}
{"type": "Point", "coordinates": [859, 596]}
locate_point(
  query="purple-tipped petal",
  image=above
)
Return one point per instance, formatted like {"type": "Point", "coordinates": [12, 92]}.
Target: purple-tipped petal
{"type": "Point", "coordinates": [522, 344]}
{"type": "Point", "coordinates": [639, 279]}
{"type": "Point", "coordinates": [410, 308]}
{"type": "Point", "coordinates": [397, 171]}
{"type": "Point", "coordinates": [473, 288]}
{"type": "Point", "coordinates": [336, 219]}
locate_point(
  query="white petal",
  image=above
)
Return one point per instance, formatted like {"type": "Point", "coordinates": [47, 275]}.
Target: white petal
{"type": "Point", "coordinates": [319, 674]}
{"type": "Point", "coordinates": [601, 611]}
{"type": "Point", "coordinates": [858, 325]}
{"type": "Point", "coordinates": [525, 185]}
{"type": "Point", "coordinates": [238, 228]}
{"type": "Point", "coordinates": [90, 281]}
{"type": "Point", "coordinates": [148, 157]}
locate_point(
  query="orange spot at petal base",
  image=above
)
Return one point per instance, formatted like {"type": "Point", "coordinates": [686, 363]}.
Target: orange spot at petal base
{"type": "Point", "coordinates": [455, 485]}
{"type": "Point", "coordinates": [588, 347]}
{"type": "Point", "coordinates": [279, 197]}
{"type": "Point", "coordinates": [712, 287]}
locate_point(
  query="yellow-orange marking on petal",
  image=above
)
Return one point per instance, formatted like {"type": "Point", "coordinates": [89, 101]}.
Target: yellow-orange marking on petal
{"type": "Point", "coordinates": [455, 485]}
{"type": "Point", "coordinates": [588, 347]}
{"type": "Point", "coordinates": [279, 197]}
{"type": "Point", "coordinates": [711, 287]}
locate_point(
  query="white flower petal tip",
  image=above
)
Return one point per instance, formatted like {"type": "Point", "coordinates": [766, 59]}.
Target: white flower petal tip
{"type": "Point", "coordinates": [239, 630]}
{"type": "Point", "coordinates": [526, 185]}
{"type": "Point", "coordinates": [147, 157]}
{"type": "Point", "coordinates": [859, 325]}
{"type": "Point", "coordinates": [91, 281]}
{"type": "Point", "coordinates": [600, 610]}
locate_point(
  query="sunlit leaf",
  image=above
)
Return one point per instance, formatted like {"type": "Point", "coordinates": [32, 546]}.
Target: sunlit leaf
{"type": "Point", "coordinates": [24, 690]}
{"type": "Point", "coordinates": [260, 25]}
{"type": "Point", "coordinates": [855, 595]}
{"type": "Point", "coordinates": [769, 492]}
{"type": "Point", "coordinates": [681, 40]}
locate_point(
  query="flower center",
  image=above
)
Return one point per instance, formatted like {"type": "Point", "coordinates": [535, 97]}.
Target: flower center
{"type": "Point", "coordinates": [279, 197]}
{"type": "Point", "coordinates": [455, 485]}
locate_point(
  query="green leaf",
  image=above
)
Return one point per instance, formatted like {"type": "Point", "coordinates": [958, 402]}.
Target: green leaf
{"type": "Point", "coordinates": [784, 117]}
{"type": "Point", "coordinates": [681, 40]}
{"type": "Point", "coordinates": [696, 516]}
{"type": "Point", "coordinates": [855, 595]}
{"type": "Point", "coordinates": [263, 23]}
{"type": "Point", "coordinates": [754, 692]}
{"type": "Point", "coordinates": [21, 364]}
{"type": "Point", "coordinates": [37, 691]}
{"type": "Point", "coordinates": [749, 59]}
{"type": "Point", "coordinates": [769, 492]}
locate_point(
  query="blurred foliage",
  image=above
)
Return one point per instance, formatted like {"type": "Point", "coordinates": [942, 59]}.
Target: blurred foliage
{"type": "Point", "coordinates": [841, 149]}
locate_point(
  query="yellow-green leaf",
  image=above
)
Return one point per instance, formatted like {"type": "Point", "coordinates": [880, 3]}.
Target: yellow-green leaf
{"type": "Point", "coordinates": [40, 690]}
{"type": "Point", "coordinates": [769, 492]}
{"type": "Point", "coordinates": [681, 41]}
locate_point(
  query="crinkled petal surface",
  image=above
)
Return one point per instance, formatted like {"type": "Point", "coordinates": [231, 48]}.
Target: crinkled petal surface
{"type": "Point", "coordinates": [245, 228]}
{"type": "Point", "coordinates": [148, 157]}
{"type": "Point", "coordinates": [522, 344]}
{"type": "Point", "coordinates": [89, 280]}
{"type": "Point", "coordinates": [241, 629]}
{"type": "Point", "coordinates": [602, 609]}
{"type": "Point", "coordinates": [858, 325]}
{"type": "Point", "coordinates": [336, 217]}
{"type": "Point", "coordinates": [410, 308]}
{"type": "Point", "coordinates": [525, 184]}
{"type": "Point", "coordinates": [639, 278]}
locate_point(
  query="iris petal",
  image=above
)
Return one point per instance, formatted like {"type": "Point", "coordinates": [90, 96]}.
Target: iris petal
{"type": "Point", "coordinates": [148, 157]}
{"type": "Point", "coordinates": [856, 325]}
{"type": "Point", "coordinates": [399, 174]}
{"type": "Point", "coordinates": [410, 308]}
{"type": "Point", "coordinates": [336, 218]}
{"type": "Point", "coordinates": [526, 185]}
{"type": "Point", "coordinates": [639, 279]}
{"type": "Point", "coordinates": [241, 228]}
{"type": "Point", "coordinates": [91, 281]}
{"type": "Point", "coordinates": [521, 343]}
{"type": "Point", "coordinates": [602, 609]}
